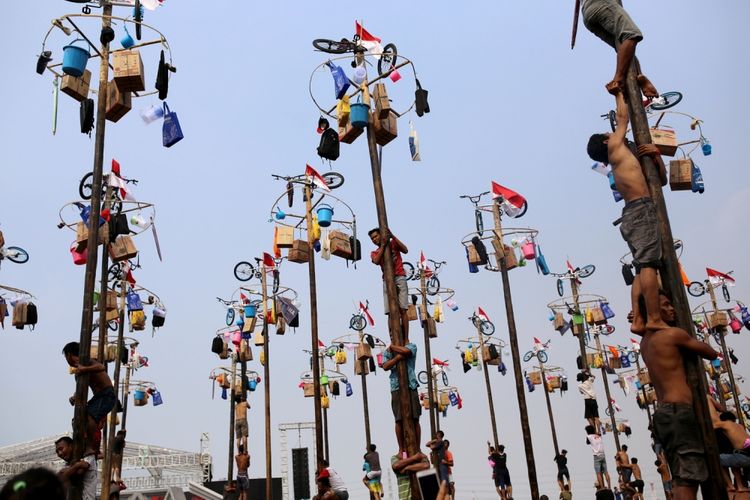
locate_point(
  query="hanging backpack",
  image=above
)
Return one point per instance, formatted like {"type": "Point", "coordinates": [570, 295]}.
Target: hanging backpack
{"type": "Point", "coordinates": [335, 391]}
{"type": "Point", "coordinates": [162, 78]}
{"type": "Point", "coordinates": [329, 144]}
{"type": "Point", "coordinates": [87, 116]}
{"type": "Point", "coordinates": [356, 246]}
{"type": "Point", "coordinates": [31, 314]}
{"type": "Point", "coordinates": [627, 274]}
{"type": "Point", "coordinates": [420, 100]}
{"type": "Point", "coordinates": [481, 250]}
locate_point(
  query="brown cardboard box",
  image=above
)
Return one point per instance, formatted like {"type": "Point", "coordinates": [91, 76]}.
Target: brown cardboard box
{"type": "Point", "coordinates": [411, 313]}
{"type": "Point", "coordinates": [309, 389]}
{"type": "Point", "coordinates": [598, 315]}
{"type": "Point", "coordinates": [644, 378]}
{"type": "Point", "coordinates": [118, 103]}
{"type": "Point", "coordinates": [361, 367]}
{"type": "Point", "coordinates": [77, 87]}
{"type": "Point", "coordinates": [82, 235]}
{"type": "Point", "coordinates": [348, 133]}
{"type": "Point", "coordinates": [386, 129]}
{"type": "Point", "coordinates": [473, 254]}
{"type": "Point", "coordinates": [111, 300]}
{"type": "Point", "coordinates": [129, 75]}
{"type": "Point", "coordinates": [559, 321]}
{"type": "Point", "coordinates": [284, 236]}
{"type": "Point", "coordinates": [665, 140]}
{"type": "Point", "coordinates": [489, 359]}
{"type": "Point", "coordinates": [363, 351]}
{"type": "Point", "coordinates": [535, 377]}
{"type": "Point", "coordinates": [614, 362]}
{"type": "Point", "coordinates": [382, 103]}
{"type": "Point", "coordinates": [300, 252]}
{"type": "Point", "coordinates": [122, 248]}
{"type": "Point", "coordinates": [340, 245]}
{"type": "Point", "coordinates": [718, 318]}
{"type": "Point", "coordinates": [431, 328]}
{"type": "Point", "coordinates": [680, 175]}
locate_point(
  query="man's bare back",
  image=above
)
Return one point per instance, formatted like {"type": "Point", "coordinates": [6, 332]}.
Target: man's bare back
{"type": "Point", "coordinates": [629, 178]}
{"type": "Point", "coordinates": [240, 410]}
{"type": "Point", "coordinates": [243, 462]}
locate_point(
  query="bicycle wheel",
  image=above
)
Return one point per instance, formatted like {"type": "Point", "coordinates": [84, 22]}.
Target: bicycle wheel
{"type": "Point", "coordinates": [632, 356]}
{"type": "Point", "coordinates": [696, 288]}
{"type": "Point", "coordinates": [332, 46]}
{"type": "Point", "coordinates": [560, 287]}
{"type": "Point", "coordinates": [333, 179]}
{"type": "Point", "coordinates": [612, 116]}
{"type": "Point", "coordinates": [113, 325]}
{"type": "Point", "coordinates": [479, 222]}
{"type": "Point", "coordinates": [527, 357]}
{"type": "Point", "coordinates": [542, 356]}
{"type": "Point", "coordinates": [725, 292]}
{"type": "Point", "coordinates": [607, 411]}
{"type": "Point", "coordinates": [409, 270]}
{"type": "Point", "coordinates": [422, 377]}
{"type": "Point", "coordinates": [115, 272]}
{"type": "Point", "coordinates": [244, 271]}
{"type": "Point", "coordinates": [521, 212]}
{"type": "Point", "coordinates": [586, 271]}
{"type": "Point", "coordinates": [445, 378]}
{"type": "Point", "coordinates": [488, 328]}
{"type": "Point", "coordinates": [387, 59]}
{"type": "Point", "coordinates": [669, 99]}
{"type": "Point", "coordinates": [357, 322]}
{"type": "Point", "coordinates": [433, 285]}
{"type": "Point", "coordinates": [86, 185]}
{"type": "Point", "coordinates": [230, 316]}
{"type": "Point", "coordinates": [275, 281]}
{"type": "Point", "coordinates": [17, 255]}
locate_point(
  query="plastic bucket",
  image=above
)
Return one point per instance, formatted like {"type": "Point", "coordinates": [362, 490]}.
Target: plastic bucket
{"type": "Point", "coordinates": [324, 380]}
{"type": "Point", "coordinates": [79, 258]}
{"type": "Point", "coordinates": [139, 395]}
{"type": "Point", "coordinates": [75, 59]}
{"type": "Point", "coordinates": [280, 215]}
{"type": "Point", "coordinates": [250, 311]}
{"type": "Point", "coordinates": [395, 75]}
{"type": "Point", "coordinates": [529, 252]}
{"type": "Point", "coordinates": [358, 115]}
{"type": "Point", "coordinates": [252, 385]}
{"type": "Point", "coordinates": [236, 337]}
{"type": "Point", "coordinates": [325, 214]}
{"type": "Point", "coordinates": [127, 41]}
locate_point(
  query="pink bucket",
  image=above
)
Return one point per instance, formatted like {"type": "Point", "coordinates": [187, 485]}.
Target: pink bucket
{"type": "Point", "coordinates": [380, 360]}
{"type": "Point", "coordinates": [79, 258]}
{"type": "Point", "coordinates": [395, 75]}
{"type": "Point", "coordinates": [236, 337]}
{"type": "Point", "coordinates": [529, 251]}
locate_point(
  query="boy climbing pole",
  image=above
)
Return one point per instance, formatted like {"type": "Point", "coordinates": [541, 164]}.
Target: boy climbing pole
{"type": "Point", "coordinates": [608, 20]}
{"type": "Point", "coordinates": [639, 227]}
{"type": "Point", "coordinates": [397, 248]}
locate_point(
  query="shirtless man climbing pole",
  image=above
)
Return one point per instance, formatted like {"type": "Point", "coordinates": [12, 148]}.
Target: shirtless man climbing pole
{"type": "Point", "coordinates": [608, 20]}
{"type": "Point", "coordinates": [640, 228]}
{"type": "Point", "coordinates": [675, 424]}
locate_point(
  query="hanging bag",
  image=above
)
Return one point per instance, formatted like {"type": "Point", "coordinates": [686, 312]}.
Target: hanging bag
{"type": "Point", "coordinates": [340, 80]}
{"type": "Point", "coordinates": [420, 100]}
{"type": "Point", "coordinates": [171, 130]}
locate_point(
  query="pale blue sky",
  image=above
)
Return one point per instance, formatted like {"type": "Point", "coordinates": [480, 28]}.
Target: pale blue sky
{"type": "Point", "coordinates": [510, 102]}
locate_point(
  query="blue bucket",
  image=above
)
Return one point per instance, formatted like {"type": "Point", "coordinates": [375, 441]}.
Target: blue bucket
{"type": "Point", "coordinates": [75, 59]}
{"type": "Point", "coordinates": [325, 214]}
{"type": "Point", "coordinates": [252, 385]}
{"type": "Point", "coordinates": [139, 395]}
{"type": "Point", "coordinates": [127, 41]}
{"type": "Point", "coordinates": [358, 114]}
{"type": "Point", "coordinates": [250, 311]}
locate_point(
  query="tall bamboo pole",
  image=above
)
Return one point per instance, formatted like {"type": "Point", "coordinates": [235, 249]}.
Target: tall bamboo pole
{"type": "Point", "coordinates": [513, 336]}
{"type": "Point", "coordinates": [365, 403]}
{"type": "Point", "coordinates": [615, 432]}
{"type": "Point", "coordinates": [671, 278]}
{"type": "Point", "coordinates": [428, 355]}
{"type": "Point", "coordinates": [549, 408]}
{"type": "Point", "coordinates": [266, 376]}
{"type": "Point", "coordinates": [487, 384]}
{"type": "Point", "coordinates": [230, 459]}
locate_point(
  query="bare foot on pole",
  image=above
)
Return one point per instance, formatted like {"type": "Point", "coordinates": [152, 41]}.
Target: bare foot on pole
{"type": "Point", "coordinates": [647, 87]}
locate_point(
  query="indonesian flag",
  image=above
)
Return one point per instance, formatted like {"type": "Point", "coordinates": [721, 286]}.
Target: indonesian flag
{"type": "Point", "coordinates": [129, 275]}
{"type": "Point", "coordinates": [117, 182]}
{"type": "Point", "coordinates": [321, 345]}
{"type": "Point", "coordinates": [268, 261]}
{"type": "Point", "coordinates": [244, 298]}
{"type": "Point", "coordinates": [371, 43]}
{"type": "Point", "coordinates": [571, 269]}
{"type": "Point", "coordinates": [367, 314]}
{"type": "Point", "coordinates": [717, 278]}
{"type": "Point", "coordinates": [439, 362]}
{"type": "Point", "coordinates": [316, 178]}
{"type": "Point", "coordinates": [538, 344]}
{"type": "Point", "coordinates": [423, 265]}
{"type": "Point", "coordinates": [482, 315]}
{"type": "Point", "coordinates": [636, 344]}
{"type": "Point", "coordinates": [513, 201]}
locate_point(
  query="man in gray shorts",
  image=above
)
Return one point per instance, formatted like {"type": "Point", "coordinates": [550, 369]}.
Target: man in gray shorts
{"type": "Point", "coordinates": [608, 20]}
{"type": "Point", "coordinates": [397, 248]}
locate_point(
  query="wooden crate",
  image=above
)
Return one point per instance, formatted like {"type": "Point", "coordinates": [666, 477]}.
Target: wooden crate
{"type": "Point", "coordinates": [128, 66]}
{"type": "Point", "coordinates": [382, 103]}
{"type": "Point", "coordinates": [665, 140]}
{"type": "Point", "coordinates": [681, 175]}
{"type": "Point", "coordinates": [119, 102]}
{"type": "Point", "coordinates": [76, 87]}
{"type": "Point", "coordinates": [386, 129]}
{"type": "Point", "coordinates": [348, 133]}
{"type": "Point", "coordinates": [340, 244]}
{"type": "Point", "coordinates": [535, 377]}
{"type": "Point", "coordinates": [300, 252]}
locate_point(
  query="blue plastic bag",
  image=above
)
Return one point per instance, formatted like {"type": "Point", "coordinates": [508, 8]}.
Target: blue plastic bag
{"type": "Point", "coordinates": [340, 80]}
{"type": "Point", "coordinates": [696, 178]}
{"type": "Point", "coordinates": [541, 262]}
{"type": "Point", "coordinates": [134, 302]}
{"type": "Point", "coordinates": [171, 130]}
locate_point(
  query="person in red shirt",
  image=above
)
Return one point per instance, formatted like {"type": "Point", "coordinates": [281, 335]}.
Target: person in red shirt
{"type": "Point", "coordinates": [397, 248]}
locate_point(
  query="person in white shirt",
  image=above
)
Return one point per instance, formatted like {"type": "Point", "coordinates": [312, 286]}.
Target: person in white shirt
{"type": "Point", "coordinates": [337, 484]}
{"type": "Point", "coordinates": [594, 439]}
{"type": "Point", "coordinates": [591, 407]}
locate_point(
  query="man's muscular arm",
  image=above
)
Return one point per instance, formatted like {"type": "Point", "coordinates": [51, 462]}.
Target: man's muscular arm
{"type": "Point", "coordinates": [653, 151]}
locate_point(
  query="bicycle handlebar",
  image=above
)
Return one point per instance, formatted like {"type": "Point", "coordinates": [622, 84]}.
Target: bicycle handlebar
{"type": "Point", "coordinates": [474, 199]}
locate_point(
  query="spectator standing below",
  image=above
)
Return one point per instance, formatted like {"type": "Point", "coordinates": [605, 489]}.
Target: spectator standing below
{"type": "Point", "coordinates": [241, 429]}
{"type": "Point", "coordinates": [562, 470]}
{"type": "Point", "coordinates": [500, 472]}
{"type": "Point", "coordinates": [603, 493]}
{"type": "Point", "coordinates": [448, 462]}
{"type": "Point", "coordinates": [437, 446]}
{"type": "Point", "coordinates": [675, 425]}
{"type": "Point", "coordinates": [565, 494]}
{"type": "Point", "coordinates": [83, 470]}
{"type": "Point", "coordinates": [590, 406]}
{"type": "Point", "coordinates": [594, 439]}
{"type": "Point", "coordinates": [393, 355]}
{"type": "Point", "coordinates": [402, 467]}
{"type": "Point", "coordinates": [338, 487]}
{"type": "Point", "coordinates": [622, 460]}
{"type": "Point", "coordinates": [666, 478]}
{"type": "Point", "coordinates": [397, 248]}
{"type": "Point", "coordinates": [243, 463]}
{"type": "Point", "coordinates": [637, 484]}
{"type": "Point", "coordinates": [103, 400]}
{"type": "Point", "coordinates": [32, 484]}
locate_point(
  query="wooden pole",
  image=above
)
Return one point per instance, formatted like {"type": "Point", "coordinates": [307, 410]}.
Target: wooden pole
{"type": "Point", "coordinates": [513, 337]}
{"type": "Point", "coordinates": [125, 394]}
{"type": "Point", "coordinates": [549, 408]}
{"type": "Point", "coordinates": [326, 448]}
{"type": "Point", "coordinates": [394, 319]}
{"type": "Point", "coordinates": [487, 385]}
{"type": "Point", "coordinates": [428, 355]}
{"type": "Point", "coordinates": [82, 381]}
{"type": "Point", "coordinates": [267, 379]}
{"type": "Point", "coordinates": [365, 404]}
{"type": "Point", "coordinates": [671, 278]}
{"type": "Point", "coordinates": [612, 418]}
{"type": "Point", "coordinates": [577, 309]}
{"type": "Point", "coordinates": [314, 328]}
{"type": "Point", "coordinates": [230, 459]}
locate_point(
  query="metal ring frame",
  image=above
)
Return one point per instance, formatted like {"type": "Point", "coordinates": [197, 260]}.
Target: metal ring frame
{"type": "Point", "coordinates": [694, 120]}
{"type": "Point", "coordinates": [448, 292]}
{"type": "Point", "coordinates": [138, 206]}
{"type": "Point", "coordinates": [510, 231]}
{"type": "Point", "coordinates": [350, 224]}
{"type": "Point", "coordinates": [307, 375]}
{"type": "Point", "coordinates": [475, 341]}
{"type": "Point", "coordinates": [583, 299]}
{"type": "Point", "coordinates": [345, 339]}
{"type": "Point", "coordinates": [678, 245]}
{"type": "Point", "coordinates": [16, 290]}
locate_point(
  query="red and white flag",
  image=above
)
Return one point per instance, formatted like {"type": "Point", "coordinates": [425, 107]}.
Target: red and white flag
{"type": "Point", "coordinates": [513, 201]}
{"type": "Point", "coordinates": [268, 261]}
{"type": "Point", "coordinates": [368, 41]}
{"type": "Point", "coordinates": [636, 344]}
{"type": "Point", "coordinates": [244, 298]}
{"type": "Point", "coordinates": [363, 310]}
{"type": "Point", "coordinates": [316, 178]}
{"type": "Point", "coordinates": [538, 343]}
{"type": "Point", "coordinates": [117, 182]}
{"type": "Point", "coordinates": [129, 275]}
{"type": "Point", "coordinates": [717, 278]}
{"type": "Point", "coordinates": [482, 315]}
{"type": "Point", "coordinates": [571, 269]}
{"type": "Point", "coordinates": [422, 265]}
{"type": "Point", "coordinates": [321, 345]}
{"type": "Point", "coordinates": [439, 362]}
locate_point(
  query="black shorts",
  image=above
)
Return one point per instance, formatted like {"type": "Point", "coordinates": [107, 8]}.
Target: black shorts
{"type": "Point", "coordinates": [640, 230]}
{"type": "Point", "coordinates": [637, 485]}
{"type": "Point", "coordinates": [676, 428]}
{"type": "Point", "coordinates": [243, 482]}
{"type": "Point", "coordinates": [563, 473]}
{"type": "Point", "coordinates": [416, 408]}
{"type": "Point", "coordinates": [101, 404]}
{"type": "Point", "coordinates": [590, 408]}
{"type": "Point", "coordinates": [502, 478]}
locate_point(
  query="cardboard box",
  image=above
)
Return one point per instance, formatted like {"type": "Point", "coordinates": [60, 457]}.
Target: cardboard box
{"type": "Point", "coordinates": [431, 328]}
{"type": "Point", "coordinates": [382, 103]}
{"type": "Point", "coordinates": [411, 312]}
{"type": "Point", "coordinates": [118, 102]}
{"type": "Point", "coordinates": [361, 367]}
{"type": "Point", "coordinates": [284, 236]}
{"type": "Point", "coordinates": [535, 377]}
{"type": "Point", "coordinates": [644, 378]}
{"type": "Point", "coordinates": [111, 300]}
{"type": "Point", "coordinates": [129, 75]}
{"type": "Point", "coordinates": [680, 175]}
{"type": "Point", "coordinates": [615, 362]}
{"type": "Point", "coordinates": [77, 87]}
{"type": "Point", "coordinates": [473, 254]}
{"type": "Point", "coordinates": [82, 235]}
{"type": "Point", "coordinates": [348, 133]}
{"type": "Point", "coordinates": [665, 140]}
{"type": "Point", "coordinates": [598, 316]}
{"type": "Point", "coordinates": [340, 244]}
{"type": "Point", "coordinates": [717, 319]}
{"type": "Point", "coordinates": [300, 252]}
{"type": "Point", "coordinates": [363, 351]}
{"type": "Point", "coordinates": [487, 357]}
{"type": "Point", "coordinates": [122, 248]}
{"type": "Point", "coordinates": [386, 129]}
